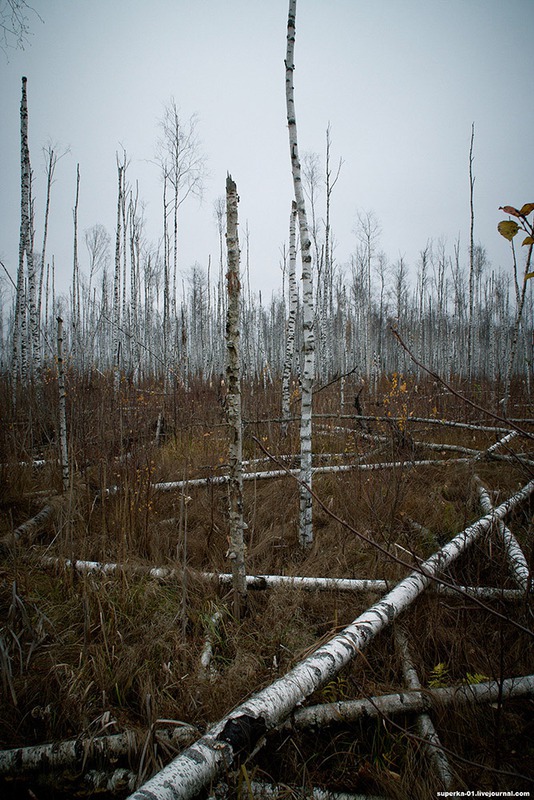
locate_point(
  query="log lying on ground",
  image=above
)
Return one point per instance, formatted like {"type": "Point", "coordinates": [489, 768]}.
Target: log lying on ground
{"type": "Point", "coordinates": [470, 426]}
{"type": "Point", "coordinates": [425, 726]}
{"type": "Point", "coordinates": [240, 730]}
{"type": "Point", "coordinates": [30, 528]}
{"type": "Point", "coordinates": [267, 791]}
{"type": "Point", "coordinates": [346, 711]}
{"type": "Point", "coordinates": [260, 582]}
{"type": "Point", "coordinates": [217, 480]}
{"type": "Point", "coordinates": [516, 558]}
{"type": "Point", "coordinates": [77, 753]}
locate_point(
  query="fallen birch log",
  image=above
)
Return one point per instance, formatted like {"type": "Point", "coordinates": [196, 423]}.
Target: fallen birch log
{"type": "Point", "coordinates": [240, 730]}
{"type": "Point", "coordinates": [77, 753]}
{"type": "Point", "coordinates": [516, 558]}
{"type": "Point", "coordinates": [30, 528]}
{"type": "Point", "coordinates": [470, 426]}
{"type": "Point", "coordinates": [425, 726]}
{"type": "Point", "coordinates": [268, 791]}
{"type": "Point", "coordinates": [260, 582]}
{"type": "Point", "coordinates": [423, 700]}
{"type": "Point", "coordinates": [218, 480]}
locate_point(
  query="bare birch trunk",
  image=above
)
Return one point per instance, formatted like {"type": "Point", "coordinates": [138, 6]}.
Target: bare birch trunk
{"type": "Point", "coordinates": [425, 726]}
{"type": "Point", "coordinates": [236, 550]}
{"type": "Point", "coordinates": [20, 340]}
{"type": "Point", "coordinates": [308, 370]}
{"type": "Point", "coordinates": [471, 259]}
{"type": "Point", "coordinates": [290, 333]}
{"type": "Point", "coordinates": [115, 338]}
{"type": "Point", "coordinates": [75, 271]}
{"type": "Point", "coordinates": [238, 732]}
{"type": "Point", "coordinates": [62, 407]}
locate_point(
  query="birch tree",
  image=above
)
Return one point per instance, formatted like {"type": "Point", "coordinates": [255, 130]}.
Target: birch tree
{"type": "Point", "coordinates": [291, 319]}
{"type": "Point", "coordinates": [308, 369]}
{"type": "Point", "coordinates": [26, 301]}
{"type": "Point", "coordinates": [236, 550]}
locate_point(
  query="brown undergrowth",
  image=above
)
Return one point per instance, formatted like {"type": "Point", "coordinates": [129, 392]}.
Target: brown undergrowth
{"type": "Point", "coordinates": [82, 654]}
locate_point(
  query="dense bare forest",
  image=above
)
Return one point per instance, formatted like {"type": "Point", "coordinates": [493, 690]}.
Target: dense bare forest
{"type": "Point", "coordinates": [258, 548]}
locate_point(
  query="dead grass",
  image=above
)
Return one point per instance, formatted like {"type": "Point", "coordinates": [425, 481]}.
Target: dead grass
{"type": "Point", "coordinates": [80, 653]}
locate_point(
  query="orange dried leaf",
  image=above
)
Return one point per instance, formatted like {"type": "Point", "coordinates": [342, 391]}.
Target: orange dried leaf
{"type": "Point", "coordinates": [529, 275]}
{"type": "Point", "coordinates": [510, 210]}
{"type": "Point", "coordinates": [508, 228]}
{"type": "Point", "coordinates": [527, 208]}
{"type": "Point", "coordinates": [528, 240]}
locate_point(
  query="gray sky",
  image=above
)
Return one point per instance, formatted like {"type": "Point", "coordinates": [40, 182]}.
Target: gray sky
{"type": "Point", "coordinates": [400, 82]}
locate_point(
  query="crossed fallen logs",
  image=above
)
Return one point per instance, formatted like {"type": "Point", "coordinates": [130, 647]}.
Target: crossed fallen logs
{"type": "Point", "coordinates": [238, 732]}
{"type": "Point", "coordinates": [278, 704]}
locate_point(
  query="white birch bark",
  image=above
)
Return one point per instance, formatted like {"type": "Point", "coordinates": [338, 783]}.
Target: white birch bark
{"type": "Point", "coordinates": [236, 550]}
{"type": "Point", "coordinates": [171, 486]}
{"type": "Point", "coordinates": [207, 670]}
{"type": "Point", "coordinates": [291, 319]}
{"type": "Point", "coordinates": [516, 558]}
{"type": "Point", "coordinates": [411, 702]}
{"type": "Point", "coordinates": [64, 453]}
{"type": "Point", "coordinates": [78, 753]}
{"type": "Point", "coordinates": [76, 312]}
{"type": "Point", "coordinates": [267, 791]}
{"type": "Point", "coordinates": [20, 342]}
{"type": "Point", "coordinates": [261, 582]}
{"type": "Point", "coordinates": [425, 726]}
{"type": "Point", "coordinates": [308, 346]}
{"type": "Point", "coordinates": [238, 732]}
{"type": "Point", "coordinates": [115, 333]}
{"type": "Point", "coordinates": [471, 259]}
{"type": "Point", "coordinates": [27, 232]}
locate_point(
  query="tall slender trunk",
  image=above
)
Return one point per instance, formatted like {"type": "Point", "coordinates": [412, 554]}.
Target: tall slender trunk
{"type": "Point", "coordinates": [306, 522]}
{"type": "Point", "coordinates": [115, 338]}
{"type": "Point", "coordinates": [25, 299]}
{"type": "Point", "coordinates": [236, 551]}
{"type": "Point", "coordinates": [51, 161]}
{"type": "Point", "coordinates": [290, 332]}
{"type": "Point", "coordinates": [76, 333]}
{"type": "Point", "coordinates": [62, 407]}
{"type": "Point", "coordinates": [471, 258]}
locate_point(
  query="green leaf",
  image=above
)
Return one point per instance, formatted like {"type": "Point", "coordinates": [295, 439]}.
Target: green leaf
{"type": "Point", "coordinates": [508, 228]}
{"type": "Point", "coordinates": [527, 208]}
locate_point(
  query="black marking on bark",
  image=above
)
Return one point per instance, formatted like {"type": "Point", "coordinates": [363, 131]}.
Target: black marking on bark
{"type": "Point", "coordinates": [243, 732]}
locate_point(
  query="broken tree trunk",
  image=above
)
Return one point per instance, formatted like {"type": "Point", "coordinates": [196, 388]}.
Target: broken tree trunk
{"type": "Point", "coordinates": [236, 549]}
{"type": "Point", "coordinates": [239, 731]}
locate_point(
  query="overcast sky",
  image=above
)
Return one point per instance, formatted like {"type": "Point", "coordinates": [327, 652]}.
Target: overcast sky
{"type": "Point", "coordinates": [399, 81]}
